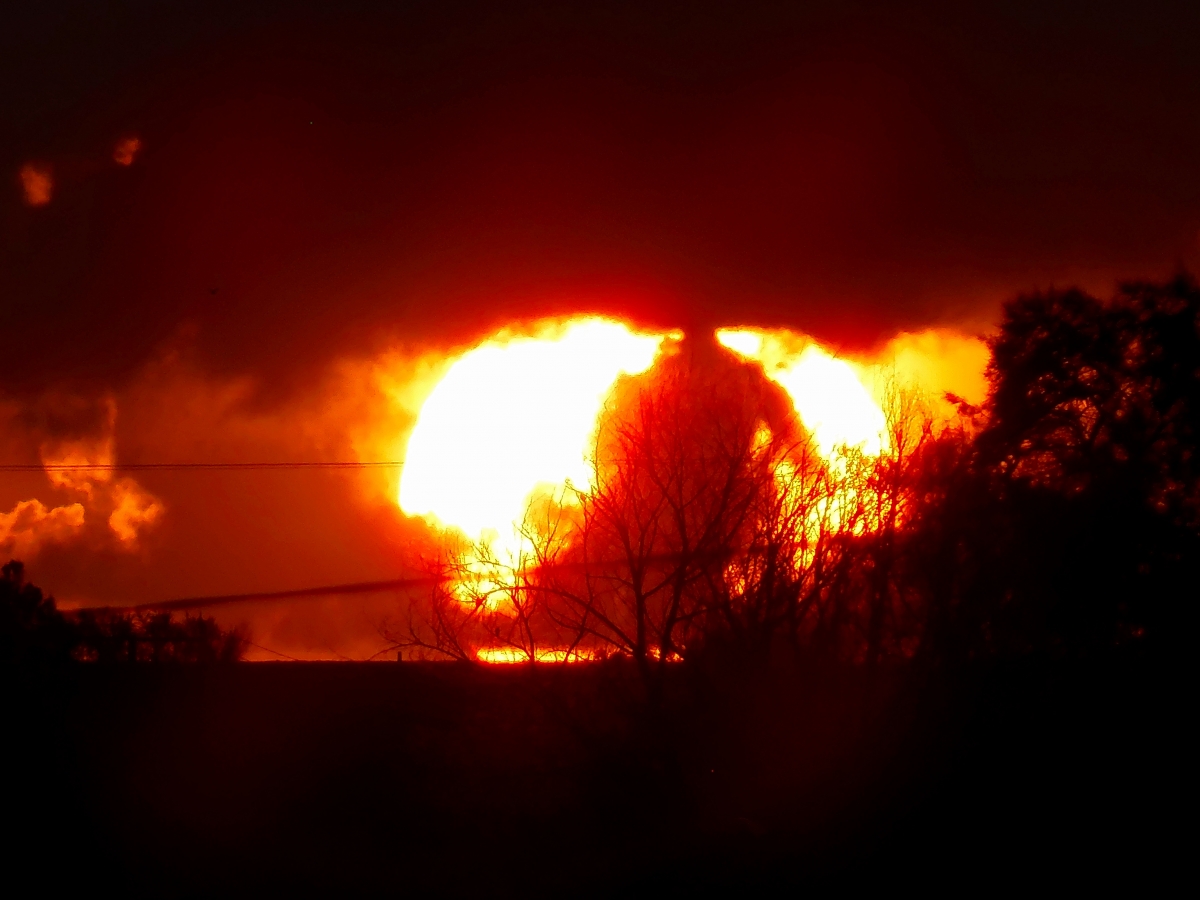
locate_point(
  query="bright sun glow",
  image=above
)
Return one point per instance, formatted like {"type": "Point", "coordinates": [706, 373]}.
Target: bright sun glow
{"type": "Point", "coordinates": [829, 394]}
{"type": "Point", "coordinates": [512, 418]}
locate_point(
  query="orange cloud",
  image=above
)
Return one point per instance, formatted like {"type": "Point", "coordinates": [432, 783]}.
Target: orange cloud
{"type": "Point", "coordinates": [943, 361]}
{"type": "Point", "coordinates": [125, 151]}
{"type": "Point", "coordinates": [89, 452]}
{"type": "Point", "coordinates": [37, 182]}
{"type": "Point", "coordinates": [933, 362]}
{"type": "Point", "coordinates": [87, 465]}
{"type": "Point", "coordinates": [135, 509]}
{"type": "Point", "coordinates": [30, 524]}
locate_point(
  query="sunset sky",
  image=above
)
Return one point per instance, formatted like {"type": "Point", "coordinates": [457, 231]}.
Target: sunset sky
{"type": "Point", "coordinates": [252, 231]}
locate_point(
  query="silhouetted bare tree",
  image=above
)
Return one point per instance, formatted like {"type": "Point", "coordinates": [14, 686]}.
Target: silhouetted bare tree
{"type": "Point", "coordinates": [710, 521]}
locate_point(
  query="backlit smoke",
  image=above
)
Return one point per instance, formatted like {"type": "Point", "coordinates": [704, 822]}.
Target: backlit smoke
{"type": "Point", "coordinates": [513, 423]}
{"type": "Point", "coordinates": [829, 394]}
{"type": "Point", "coordinates": [937, 362]}
{"type": "Point", "coordinates": [30, 525]}
{"type": "Point", "coordinates": [136, 508]}
{"type": "Point", "coordinates": [77, 465]}
{"type": "Point", "coordinates": [126, 150]}
{"type": "Point", "coordinates": [37, 183]}
{"type": "Point", "coordinates": [86, 465]}
{"type": "Point", "coordinates": [841, 401]}
{"type": "Point", "coordinates": [513, 417]}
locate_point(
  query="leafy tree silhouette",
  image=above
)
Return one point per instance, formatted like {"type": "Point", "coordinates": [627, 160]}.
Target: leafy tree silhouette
{"type": "Point", "coordinates": [32, 630]}
{"type": "Point", "coordinates": [1089, 452]}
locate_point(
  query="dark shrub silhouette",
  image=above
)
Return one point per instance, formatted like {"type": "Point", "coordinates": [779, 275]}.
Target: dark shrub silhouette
{"type": "Point", "coordinates": [1089, 456]}
{"type": "Point", "coordinates": [155, 638]}
{"type": "Point", "coordinates": [33, 631]}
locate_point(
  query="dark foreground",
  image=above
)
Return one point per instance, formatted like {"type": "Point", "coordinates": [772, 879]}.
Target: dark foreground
{"type": "Point", "coordinates": [418, 779]}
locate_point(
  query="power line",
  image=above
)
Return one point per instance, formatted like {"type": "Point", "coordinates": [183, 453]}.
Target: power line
{"type": "Point", "coordinates": [371, 587]}
{"type": "Point", "coordinates": [113, 467]}
{"type": "Point", "coordinates": [243, 466]}
{"type": "Point", "coordinates": [332, 590]}
{"type": "Point", "coordinates": [276, 652]}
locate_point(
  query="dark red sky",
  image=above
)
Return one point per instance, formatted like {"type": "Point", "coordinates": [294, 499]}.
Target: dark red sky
{"type": "Point", "coordinates": [351, 177]}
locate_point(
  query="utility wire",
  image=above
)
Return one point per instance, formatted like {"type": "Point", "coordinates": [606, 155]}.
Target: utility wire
{"type": "Point", "coordinates": [366, 587]}
{"type": "Point", "coordinates": [332, 590]}
{"type": "Point", "coordinates": [276, 652]}
{"type": "Point", "coordinates": [234, 466]}
{"type": "Point", "coordinates": [113, 467]}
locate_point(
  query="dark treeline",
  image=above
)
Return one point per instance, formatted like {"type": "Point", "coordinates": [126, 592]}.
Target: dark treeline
{"type": "Point", "coordinates": [34, 632]}
{"type": "Point", "coordinates": [1058, 519]}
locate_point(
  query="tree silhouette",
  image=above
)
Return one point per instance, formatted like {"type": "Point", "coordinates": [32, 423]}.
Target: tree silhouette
{"type": "Point", "coordinates": [33, 631]}
{"type": "Point", "coordinates": [710, 524]}
{"type": "Point", "coordinates": [1060, 517]}
{"type": "Point", "coordinates": [1089, 450]}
